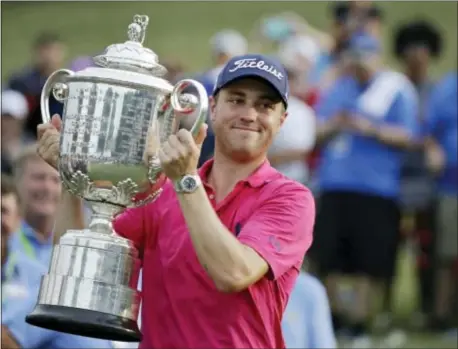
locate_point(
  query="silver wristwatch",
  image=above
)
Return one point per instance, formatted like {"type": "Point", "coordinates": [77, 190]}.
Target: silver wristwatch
{"type": "Point", "coordinates": [187, 184]}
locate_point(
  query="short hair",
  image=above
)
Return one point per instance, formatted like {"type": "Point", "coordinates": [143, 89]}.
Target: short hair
{"type": "Point", "coordinates": [45, 39]}
{"type": "Point", "coordinates": [25, 156]}
{"type": "Point", "coordinates": [340, 11]}
{"type": "Point", "coordinates": [417, 32]}
{"type": "Point", "coordinates": [8, 185]}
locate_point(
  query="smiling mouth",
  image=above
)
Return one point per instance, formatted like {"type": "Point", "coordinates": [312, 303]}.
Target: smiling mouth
{"type": "Point", "coordinates": [246, 129]}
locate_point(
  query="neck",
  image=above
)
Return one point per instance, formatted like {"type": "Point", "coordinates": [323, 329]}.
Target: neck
{"type": "Point", "coordinates": [226, 173]}
{"type": "Point", "coordinates": [42, 225]}
{"type": "Point", "coordinates": [417, 75]}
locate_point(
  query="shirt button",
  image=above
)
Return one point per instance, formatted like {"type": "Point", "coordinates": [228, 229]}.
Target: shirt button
{"type": "Point", "coordinates": [211, 196]}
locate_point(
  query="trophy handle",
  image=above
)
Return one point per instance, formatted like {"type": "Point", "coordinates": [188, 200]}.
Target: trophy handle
{"type": "Point", "coordinates": [55, 85]}
{"type": "Point", "coordinates": [185, 103]}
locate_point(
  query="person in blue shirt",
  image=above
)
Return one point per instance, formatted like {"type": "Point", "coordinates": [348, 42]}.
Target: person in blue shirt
{"type": "Point", "coordinates": [39, 190]}
{"type": "Point", "coordinates": [417, 44]}
{"type": "Point", "coordinates": [442, 158]}
{"type": "Point", "coordinates": [365, 122]}
{"type": "Point", "coordinates": [21, 278]}
{"type": "Point", "coordinates": [307, 319]}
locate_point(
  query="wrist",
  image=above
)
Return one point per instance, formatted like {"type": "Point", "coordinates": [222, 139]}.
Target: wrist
{"type": "Point", "coordinates": [187, 183]}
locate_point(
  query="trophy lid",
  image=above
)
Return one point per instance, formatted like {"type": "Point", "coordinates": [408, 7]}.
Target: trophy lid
{"type": "Point", "coordinates": [131, 55]}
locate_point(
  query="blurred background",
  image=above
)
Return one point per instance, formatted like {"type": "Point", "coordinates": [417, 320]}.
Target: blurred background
{"type": "Point", "coordinates": [195, 39]}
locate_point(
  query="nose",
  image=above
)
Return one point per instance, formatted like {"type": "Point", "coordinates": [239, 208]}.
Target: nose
{"type": "Point", "coordinates": [249, 114]}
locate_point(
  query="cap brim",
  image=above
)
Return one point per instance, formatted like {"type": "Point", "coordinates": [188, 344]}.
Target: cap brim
{"type": "Point", "coordinates": [255, 77]}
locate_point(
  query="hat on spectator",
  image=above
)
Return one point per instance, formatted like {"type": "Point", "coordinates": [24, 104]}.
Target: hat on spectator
{"type": "Point", "coordinates": [229, 42]}
{"type": "Point", "coordinates": [298, 51]}
{"type": "Point", "coordinates": [257, 66]}
{"type": "Point", "coordinates": [14, 104]}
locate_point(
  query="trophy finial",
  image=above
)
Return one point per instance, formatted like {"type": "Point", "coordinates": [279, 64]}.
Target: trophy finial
{"type": "Point", "coordinates": [137, 29]}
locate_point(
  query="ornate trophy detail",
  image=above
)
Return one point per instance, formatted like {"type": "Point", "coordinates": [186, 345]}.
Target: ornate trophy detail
{"type": "Point", "coordinates": [109, 113]}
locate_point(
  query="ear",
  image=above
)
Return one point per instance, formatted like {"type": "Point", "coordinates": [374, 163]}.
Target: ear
{"type": "Point", "coordinates": [283, 117]}
{"type": "Point", "coordinates": [212, 106]}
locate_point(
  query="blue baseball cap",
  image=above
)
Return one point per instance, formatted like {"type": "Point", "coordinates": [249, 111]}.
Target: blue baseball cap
{"type": "Point", "coordinates": [257, 66]}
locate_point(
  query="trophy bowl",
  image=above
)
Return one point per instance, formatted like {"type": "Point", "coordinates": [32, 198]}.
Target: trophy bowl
{"type": "Point", "coordinates": [115, 117]}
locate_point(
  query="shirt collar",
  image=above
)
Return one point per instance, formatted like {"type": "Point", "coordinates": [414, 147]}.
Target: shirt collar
{"type": "Point", "coordinates": [30, 233]}
{"type": "Point", "coordinates": [262, 175]}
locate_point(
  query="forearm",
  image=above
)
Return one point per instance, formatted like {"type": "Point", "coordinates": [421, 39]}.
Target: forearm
{"type": "Point", "coordinates": [219, 252]}
{"type": "Point", "coordinates": [325, 132]}
{"type": "Point", "coordinates": [394, 136]}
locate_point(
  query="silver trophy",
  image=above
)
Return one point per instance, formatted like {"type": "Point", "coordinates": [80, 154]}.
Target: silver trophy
{"type": "Point", "coordinates": [109, 112]}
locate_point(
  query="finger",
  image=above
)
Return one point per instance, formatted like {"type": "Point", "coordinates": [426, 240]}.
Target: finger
{"type": "Point", "coordinates": [163, 157]}
{"type": "Point", "coordinates": [199, 139]}
{"type": "Point", "coordinates": [42, 128]}
{"type": "Point", "coordinates": [170, 151]}
{"type": "Point", "coordinates": [181, 148]}
{"type": "Point", "coordinates": [185, 137]}
{"type": "Point", "coordinates": [56, 121]}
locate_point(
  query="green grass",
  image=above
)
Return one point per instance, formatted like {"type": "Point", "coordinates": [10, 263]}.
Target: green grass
{"type": "Point", "coordinates": [182, 29]}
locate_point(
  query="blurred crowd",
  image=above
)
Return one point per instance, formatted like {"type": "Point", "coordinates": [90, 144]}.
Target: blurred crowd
{"type": "Point", "coordinates": [378, 147]}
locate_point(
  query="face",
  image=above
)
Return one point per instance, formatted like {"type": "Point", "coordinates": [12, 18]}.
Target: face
{"type": "Point", "coordinates": [10, 219]}
{"type": "Point", "coordinates": [246, 116]}
{"type": "Point", "coordinates": [11, 129]}
{"type": "Point", "coordinates": [361, 68]}
{"type": "Point", "coordinates": [39, 188]}
{"type": "Point", "coordinates": [50, 55]}
{"type": "Point", "coordinates": [417, 56]}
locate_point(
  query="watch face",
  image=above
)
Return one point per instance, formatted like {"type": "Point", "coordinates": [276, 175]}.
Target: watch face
{"type": "Point", "coordinates": [188, 183]}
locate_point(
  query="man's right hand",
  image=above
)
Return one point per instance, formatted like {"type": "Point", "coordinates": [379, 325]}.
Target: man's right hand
{"type": "Point", "coordinates": [49, 139]}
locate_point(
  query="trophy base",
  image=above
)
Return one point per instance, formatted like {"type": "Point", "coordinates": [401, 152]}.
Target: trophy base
{"type": "Point", "coordinates": [83, 322]}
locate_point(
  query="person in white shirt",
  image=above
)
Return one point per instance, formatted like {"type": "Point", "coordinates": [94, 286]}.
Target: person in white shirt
{"type": "Point", "coordinates": [297, 136]}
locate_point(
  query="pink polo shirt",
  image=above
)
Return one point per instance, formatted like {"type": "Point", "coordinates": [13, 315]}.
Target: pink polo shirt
{"type": "Point", "coordinates": [181, 306]}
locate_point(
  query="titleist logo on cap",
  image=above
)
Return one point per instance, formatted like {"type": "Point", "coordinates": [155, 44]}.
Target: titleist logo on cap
{"type": "Point", "coordinates": [254, 63]}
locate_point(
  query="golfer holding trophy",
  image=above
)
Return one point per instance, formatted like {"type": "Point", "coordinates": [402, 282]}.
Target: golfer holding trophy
{"type": "Point", "coordinates": [220, 247]}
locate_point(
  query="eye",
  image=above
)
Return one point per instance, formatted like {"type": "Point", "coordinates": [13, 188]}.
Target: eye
{"type": "Point", "coordinates": [235, 100]}
{"type": "Point", "coordinates": [267, 105]}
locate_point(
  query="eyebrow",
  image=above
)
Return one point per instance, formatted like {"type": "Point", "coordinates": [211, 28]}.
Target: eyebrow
{"type": "Point", "coordinates": [269, 96]}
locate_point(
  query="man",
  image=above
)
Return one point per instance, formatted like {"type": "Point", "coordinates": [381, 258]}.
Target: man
{"type": "Point", "coordinates": [307, 320]}
{"type": "Point", "coordinates": [14, 113]}
{"type": "Point", "coordinates": [39, 190]}
{"type": "Point", "coordinates": [442, 154]}
{"type": "Point", "coordinates": [416, 44]}
{"type": "Point", "coordinates": [21, 277]}
{"type": "Point", "coordinates": [365, 121]}
{"type": "Point", "coordinates": [297, 135]}
{"type": "Point", "coordinates": [223, 245]}
{"type": "Point", "coordinates": [48, 56]}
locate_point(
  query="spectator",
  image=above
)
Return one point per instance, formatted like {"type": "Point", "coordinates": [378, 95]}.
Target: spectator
{"type": "Point", "coordinates": [415, 45]}
{"type": "Point", "coordinates": [349, 19]}
{"type": "Point", "coordinates": [14, 114]}
{"type": "Point", "coordinates": [307, 319]}
{"type": "Point", "coordinates": [296, 137]}
{"type": "Point", "coordinates": [442, 159]}
{"type": "Point", "coordinates": [366, 120]}
{"type": "Point", "coordinates": [39, 190]}
{"type": "Point", "coordinates": [21, 276]}
{"type": "Point", "coordinates": [48, 56]}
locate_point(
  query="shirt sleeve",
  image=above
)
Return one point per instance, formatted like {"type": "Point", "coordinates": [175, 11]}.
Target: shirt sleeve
{"type": "Point", "coordinates": [281, 229]}
{"type": "Point", "coordinates": [405, 112]}
{"type": "Point", "coordinates": [131, 225]}
{"type": "Point", "coordinates": [332, 101]}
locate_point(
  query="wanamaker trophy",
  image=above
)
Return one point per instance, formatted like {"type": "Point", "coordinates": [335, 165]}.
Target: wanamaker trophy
{"type": "Point", "coordinates": [109, 112]}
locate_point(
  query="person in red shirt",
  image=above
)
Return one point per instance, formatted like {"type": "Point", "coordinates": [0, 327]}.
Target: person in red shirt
{"type": "Point", "coordinates": [223, 245]}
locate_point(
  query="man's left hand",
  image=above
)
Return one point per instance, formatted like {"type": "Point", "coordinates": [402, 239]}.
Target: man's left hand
{"type": "Point", "coordinates": [179, 155]}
